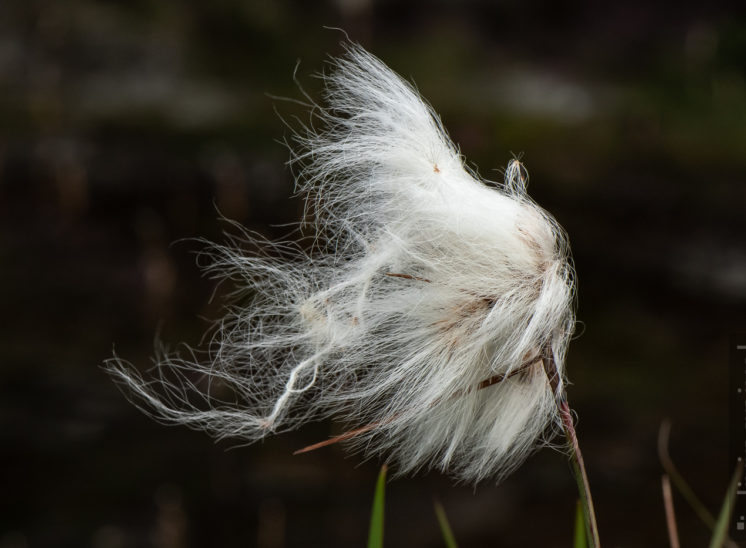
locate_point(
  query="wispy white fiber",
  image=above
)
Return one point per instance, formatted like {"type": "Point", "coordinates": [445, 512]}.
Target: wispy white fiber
{"type": "Point", "coordinates": [423, 282]}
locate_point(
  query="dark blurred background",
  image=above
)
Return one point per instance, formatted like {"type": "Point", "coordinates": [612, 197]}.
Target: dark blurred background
{"type": "Point", "coordinates": [126, 126]}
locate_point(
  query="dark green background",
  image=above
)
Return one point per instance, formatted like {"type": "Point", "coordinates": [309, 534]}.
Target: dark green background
{"type": "Point", "coordinates": [124, 126]}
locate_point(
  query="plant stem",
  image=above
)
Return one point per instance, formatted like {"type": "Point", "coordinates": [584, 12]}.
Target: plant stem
{"type": "Point", "coordinates": [673, 533]}
{"type": "Point", "coordinates": [678, 480]}
{"type": "Point", "coordinates": [576, 456]}
{"type": "Point", "coordinates": [584, 490]}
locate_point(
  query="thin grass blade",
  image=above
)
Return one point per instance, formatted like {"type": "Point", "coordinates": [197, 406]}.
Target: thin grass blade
{"type": "Point", "coordinates": [580, 540]}
{"type": "Point", "coordinates": [720, 534]}
{"type": "Point", "coordinates": [445, 527]}
{"type": "Point", "coordinates": [678, 480]}
{"type": "Point", "coordinates": [375, 534]}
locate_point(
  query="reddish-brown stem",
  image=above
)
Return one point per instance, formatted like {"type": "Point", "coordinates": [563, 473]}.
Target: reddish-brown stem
{"type": "Point", "coordinates": [673, 533]}
{"type": "Point", "coordinates": [407, 277]}
{"type": "Point", "coordinates": [576, 456]}
{"type": "Point", "coordinates": [495, 379]}
{"type": "Point", "coordinates": [342, 437]}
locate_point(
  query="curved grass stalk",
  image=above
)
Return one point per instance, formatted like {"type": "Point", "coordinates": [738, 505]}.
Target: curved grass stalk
{"type": "Point", "coordinates": [576, 456]}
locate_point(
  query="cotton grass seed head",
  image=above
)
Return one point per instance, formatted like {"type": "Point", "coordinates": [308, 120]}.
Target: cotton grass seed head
{"type": "Point", "coordinates": [420, 317]}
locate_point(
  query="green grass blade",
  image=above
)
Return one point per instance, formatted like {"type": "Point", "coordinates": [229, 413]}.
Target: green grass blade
{"type": "Point", "coordinates": [375, 534]}
{"type": "Point", "coordinates": [580, 538]}
{"type": "Point", "coordinates": [720, 534]}
{"type": "Point", "coordinates": [445, 527]}
{"type": "Point", "coordinates": [678, 480]}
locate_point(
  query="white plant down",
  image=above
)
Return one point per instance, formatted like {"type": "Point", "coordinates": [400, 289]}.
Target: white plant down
{"type": "Point", "coordinates": [419, 316]}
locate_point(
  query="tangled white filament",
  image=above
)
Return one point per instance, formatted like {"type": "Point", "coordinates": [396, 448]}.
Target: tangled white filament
{"type": "Point", "coordinates": [424, 283]}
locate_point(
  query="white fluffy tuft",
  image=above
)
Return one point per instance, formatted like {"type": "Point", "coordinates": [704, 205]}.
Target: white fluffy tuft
{"type": "Point", "coordinates": [423, 283]}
